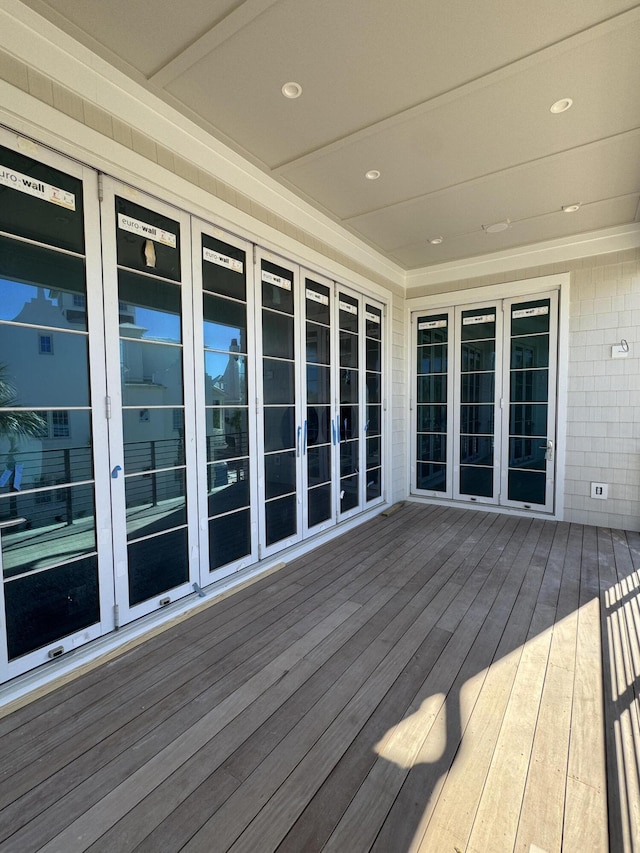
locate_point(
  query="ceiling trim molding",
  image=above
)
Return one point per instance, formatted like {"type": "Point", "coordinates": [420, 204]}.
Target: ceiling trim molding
{"type": "Point", "coordinates": [616, 239]}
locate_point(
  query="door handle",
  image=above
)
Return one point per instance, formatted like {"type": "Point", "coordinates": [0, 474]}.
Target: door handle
{"type": "Point", "coordinates": [299, 430]}
{"type": "Point", "coordinates": [549, 450]}
{"type": "Point", "coordinates": [115, 472]}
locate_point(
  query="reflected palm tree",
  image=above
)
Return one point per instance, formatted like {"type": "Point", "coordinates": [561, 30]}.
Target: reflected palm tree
{"type": "Point", "coordinates": [15, 425]}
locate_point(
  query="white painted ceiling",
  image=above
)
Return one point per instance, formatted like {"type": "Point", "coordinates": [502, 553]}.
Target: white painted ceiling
{"type": "Point", "coordinates": [448, 99]}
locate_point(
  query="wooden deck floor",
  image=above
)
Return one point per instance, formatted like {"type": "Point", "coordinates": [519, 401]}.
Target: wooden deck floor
{"type": "Point", "coordinates": [438, 680]}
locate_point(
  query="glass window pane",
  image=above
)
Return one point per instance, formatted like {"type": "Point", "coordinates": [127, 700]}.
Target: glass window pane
{"type": "Point", "coordinates": [433, 329]}
{"type": "Point", "coordinates": [431, 476]}
{"type": "Point", "coordinates": [530, 352]}
{"type": "Point", "coordinates": [155, 502]}
{"type": "Point", "coordinates": [432, 448]}
{"type": "Point", "coordinates": [349, 492]}
{"type": "Point", "coordinates": [431, 419]}
{"type": "Point", "coordinates": [477, 387]}
{"type": "Point", "coordinates": [319, 505]}
{"type": "Point", "coordinates": [38, 378]}
{"type": "Point", "coordinates": [228, 486]}
{"type": "Point", "coordinates": [35, 216]}
{"type": "Point", "coordinates": [219, 272]}
{"type": "Point", "coordinates": [476, 481]}
{"type": "Point", "coordinates": [527, 453]}
{"type": "Point", "coordinates": [349, 457]}
{"type": "Point", "coordinates": [477, 420]}
{"type": "Point", "coordinates": [281, 519]}
{"type": "Point", "coordinates": [279, 428]}
{"type": "Point", "coordinates": [529, 386]}
{"type": "Point", "coordinates": [225, 324]}
{"type": "Point", "coordinates": [318, 384]}
{"type": "Point", "coordinates": [374, 354]}
{"type": "Point", "coordinates": [45, 606]}
{"type": "Point", "coordinates": [279, 384]}
{"type": "Point", "coordinates": [277, 335]}
{"type": "Point", "coordinates": [348, 426]}
{"type": "Point", "coordinates": [41, 287]}
{"type": "Point", "coordinates": [225, 381]}
{"type": "Point", "coordinates": [476, 451]}
{"type": "Point", "coordinates": [146, 240]}
{"type": "Point", "coordinates": [319, 465]}
{"type": "Point", "coordinates": [478, 324]}
{"type": "Point", "coordinates": [227, 433]}
{"type": "Point", "coordinates": [527, 486]}
{"type": "Point", "coordinates": [374, 420]}
{"type": "Point", "coordinates": [348, 313]}
{"type": "Point", "coordinates": [279, 474]}
{"type": "Point", "coordinates": [432, 389]}
{"type": "Point", "coordinates": [277, 288]}
{"type": "Point", "coordinates": [374, 483]}
{"type": "Point", "coordinates": [528, 419]}
{"type": "Point", "coordinates": [229, 538]}
{"type": "Point", "coordinates": [60, 526]}
{"type": "Point", "coordinates": [154, 306]}
{"type": "Point", "coordinates": [318, 344]}
{"type": "Point", "coordinates": [348, 386]}
{"type": "Point", "coordinates": [157, 565]}
{"type": "Point", "coordinates": [318, 425]}
{"type": "Point", "coordinates": [151, 374]}
{"type": "Point", "coordinates": [530, 318]}
{"type": "Point", "coordinates": [373, 322]}
{"type": "Point", "coordinates": [374, 387]}
{"type": "Point", "coordinates": [479, 355]}
{"type": "Point", "coordinates": [153, 438]}
{"type": "Point", "coordinates": [348, 350]}
{"type": "Point", "coordinates": [374, 452]}
{"type": "Point", "coordinates": [318, 304]}
{"type": "Point", "coordinates": [44, 448]}
{"type": "Point", "coordinates": [433, 359]}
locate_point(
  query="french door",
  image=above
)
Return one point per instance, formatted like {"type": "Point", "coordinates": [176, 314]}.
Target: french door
{"type": "Point", "coordinates": [55, 540]}
{"type": "Point", "coordinates": [150, 375]}
{"type": "Point", "coordinates": [484, 416]}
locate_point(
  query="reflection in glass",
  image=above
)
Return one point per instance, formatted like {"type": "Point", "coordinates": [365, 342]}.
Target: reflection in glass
{"type": "Point", "coordinates": [225, 324]}
{"type": "Point", "coordinates": [280, 474]}
{"type": "Point", "coordinates": [432, 418]}
{"type": "Point", "coordinates": [529, 386]}
{"type": "Point", "coordinates": [530, 352]}
{"type": "Point", "coordinates": [229, 538]}
{"type": "Point", "coordinates": [279, 429]}
{"type": "Point", "coordinates": [348, 350]}
{"type": "Point", "coordinates": [476, 481]}
{"type": "Point", "coordinates": [527, 453]}
{"type": "Point", "coordinates": [535, 321]}
{"type": "Point", "coordinates": [374, 420]}
{"type": "Point", "coordinates": [157, 565]}
{"type": "Point", "coordinates": [319, 465]}
{"type": "Point", "coordinates": [318, 425]}
{"type": "Point", "coordinates": [348, 425]}
{"type": "Point", "coordinates": [432, 359]}
{"type": "Point", "coordinates": [45, 606]}
{"type": "Point", "coordinates": [224, 280]}
{"type": "Point", "coordinates": [348, 386]}
{"type": "Point", "coordinates": [277, 296]}
{"type": "Point", "coordinates": [60, 526]}
{"type": "Point", "coordinates": [132, 243]}
{"type": "Point", "coordinates": [528, 419]}
{"type": "Point", "coordinates": [227, 433]}
{"type": "Point", "coordinates": [477, 419]}
{"type": "Point", "coordinates": [318, 344]}
{"type": "Point", "coordinates": [279, 384]}
{"type": "Point", "coordinates": [49, 288]}
{"type": "Point", "coordinates": [154, 306]}
{"type": "Point", "coordinates": [479, 355]}
{"type": "Point", "coordinates": [319, 504]}
{"type": "Point", "coordinates": [153, 438]}
{"type": "Point", "coordinates": [225, 379]}
{"type": "Point", "coordinates": [432, 448]}
{"type": "Point", "coordinates": [277, 334]}
{"type": "Point", "coordinates": [228, 486]}
{"type": "Point", "coordinates": [432, 389]}
{"type": "Point", "coordinates": [374, 452]}
{"type": "Point", "coordinates": [527, 486]}
{"type": "Point", "coordinates": [349, 498]}
{"type": "Point", "coordinates": [374, 387]}
{"type": "Point", "coordinates": [374, 483]}
{"type": "Point", "coordinates": [478, 324]}
{"type": "Point", "coordinates": [477, 387]}
{"type": "Point", "coordinates": [348, 314]}
{"type": "Point", "coordinates": [318, 308]}
{"type": "Point", "coordinates": [431, 476]}
{"type": "Point", "coordinates": [374, 355]}
{"type": "Point", "coordinates": [151, 373]}
{"type": "Point", "coordinates": [155, 502]}
{"type": "Point", "coordinates": [281, 520]}
{"type": "Point", "coordinates": [476, 450]}
{"type": "Point", "coordinates": [38, 366]}
{"type": "Point", "coordinates": [349, 457]}
{"type": "Point", "coordinates": [318, 384]}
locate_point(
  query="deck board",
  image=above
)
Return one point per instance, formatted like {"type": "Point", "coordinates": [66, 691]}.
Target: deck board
{"type": "Point", "coordinates": [438, 679]}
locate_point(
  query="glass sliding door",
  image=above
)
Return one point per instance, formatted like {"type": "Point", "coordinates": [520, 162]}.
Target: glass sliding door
{"type": "Point", "coordinates": [350, 418]}
{"type": "Point", "coordinates": [373, 428]}
{"type": "Point", "coordinates": [150, 364]}
{"type": "Point", "coordinates": [54, 548]}
{"type": "Point", "coordinates": [224, 337]}
{"type": "Point", "coordinates": [281, 414]}
{"type": "Point", "coordinates": [319, 433]}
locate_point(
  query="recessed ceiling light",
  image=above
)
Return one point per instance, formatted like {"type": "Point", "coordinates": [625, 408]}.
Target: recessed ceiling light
{"type": "Point", "coordinates": [497, 227]}
{"type": "Point", "coordinates": [561, 106]}
{"type": "Point", "coordinates": [435, 241]}
{"type": "Point", "coordinates": [292, 90]}
{"type": "Point", "coordinates": [571, 208]}
{"type": "Point", "coordinates": [372, 175]}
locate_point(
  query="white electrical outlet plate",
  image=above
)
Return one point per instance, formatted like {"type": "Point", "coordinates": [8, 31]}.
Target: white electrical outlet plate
{"type": "Point", "coordinates": [618, 351]}
{"type": "Point", "coordinates": [600, 491]}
